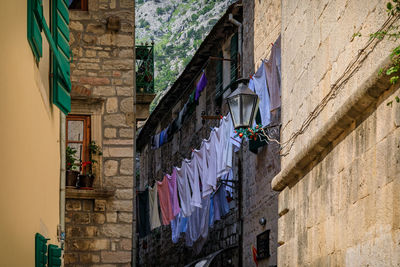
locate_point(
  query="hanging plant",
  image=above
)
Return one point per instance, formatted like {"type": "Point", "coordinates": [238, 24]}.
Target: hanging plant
{"type": "Point", "coordinates": [250, 133]}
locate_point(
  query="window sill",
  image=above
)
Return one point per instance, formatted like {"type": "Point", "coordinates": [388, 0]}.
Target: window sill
{"type": "Point", "coordinates": [89, 194]}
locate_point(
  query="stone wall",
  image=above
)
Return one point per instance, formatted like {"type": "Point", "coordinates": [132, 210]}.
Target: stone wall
{"type": "Point", "coordinates": [339, 205]}
{"type": "Point", "coordinates": [345, 211]}
{"type": "Point", "coordinates": [99, 231]}
{"type": "Point", "coordinates": [261, 27]}
{"type": "Point", "coordinates": [318, 44]}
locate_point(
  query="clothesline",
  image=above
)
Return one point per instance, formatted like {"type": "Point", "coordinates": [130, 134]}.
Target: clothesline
{"type": "Point", "coordinates": [189, 196]}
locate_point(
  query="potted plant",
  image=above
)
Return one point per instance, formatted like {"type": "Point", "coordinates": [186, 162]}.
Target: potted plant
{"type": "Point", "coordinates": [71, 166]}
{"type": "Point", "coordinates": [86, 178]}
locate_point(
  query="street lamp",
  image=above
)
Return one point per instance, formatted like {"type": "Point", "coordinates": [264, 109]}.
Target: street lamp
{"type": "Point", "coordinates": [243, 104]}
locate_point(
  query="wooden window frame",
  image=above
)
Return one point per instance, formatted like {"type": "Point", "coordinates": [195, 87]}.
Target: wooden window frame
{"type": "Point", "coordinates": [84, 6]}
{"type": "Point", "coordinates": [86, 134]}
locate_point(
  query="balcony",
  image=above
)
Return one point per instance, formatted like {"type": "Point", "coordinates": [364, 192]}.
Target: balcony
{"type": "Point", "coordinates": [144, 80]}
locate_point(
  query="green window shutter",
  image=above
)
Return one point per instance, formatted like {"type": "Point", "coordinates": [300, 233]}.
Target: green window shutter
{"type": "Point", "coordinates": [40, 251]}
{"type": "Point", "coordinates": [54, 256]}
{"type": "Point", "coordinates": [34, 30]}
{"type": "Point", "coordinates": [59, 44]}
{"type": "Point", "coordinates": [234, 57]}
{"type": "Point", "coordinates": [219, 77]}
{"type": "Point", "coordinates": [60, 65]}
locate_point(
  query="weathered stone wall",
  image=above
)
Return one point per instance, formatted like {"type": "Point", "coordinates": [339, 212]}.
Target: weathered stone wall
{"type": "Point", "coordinates": [261, 27]}
{"type": "Point", "coordinates": [318, 44]}
{"type": "Point", "coordinates": [345, 211]}
{"type": "Point", "coordinates": [341, 207]}
{"type": "Point", "coordinates": [100, 231]}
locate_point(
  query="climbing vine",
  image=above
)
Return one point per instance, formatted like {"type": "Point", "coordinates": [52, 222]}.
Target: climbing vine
{"type": "Point", "coordinates": [393, 33]}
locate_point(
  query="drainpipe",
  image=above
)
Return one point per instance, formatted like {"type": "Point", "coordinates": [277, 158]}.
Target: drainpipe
{"type": "Point", "coordinates": [61, 228]}
{"type": "Point", "coordinates": [240, 169]}
{"type": "Point", "coordinates": [239, 25]}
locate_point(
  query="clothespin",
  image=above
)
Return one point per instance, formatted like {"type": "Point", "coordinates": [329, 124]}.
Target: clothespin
{"type": "Point", "coordinates": [251, 76]}
{"type": "Point", "coordinates": [272, 44]}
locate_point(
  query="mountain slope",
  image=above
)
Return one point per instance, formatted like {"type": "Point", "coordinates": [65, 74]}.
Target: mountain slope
{"type": "Point", "coordinates": [177, 27]}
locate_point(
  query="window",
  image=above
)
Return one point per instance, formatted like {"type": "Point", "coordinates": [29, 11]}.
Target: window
{"type": "Point", "coordinates": [78, 135]}
{"type": "Point", "coordinates": [219, 82]}
{"type": "Point", "coordinates": [78, 5]}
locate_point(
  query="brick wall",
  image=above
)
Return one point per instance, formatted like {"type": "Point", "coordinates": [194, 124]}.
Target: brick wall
{"type": "Point", "coordinates": [261, 27]}
{"type": "Point", "coordinates": [99, 231]}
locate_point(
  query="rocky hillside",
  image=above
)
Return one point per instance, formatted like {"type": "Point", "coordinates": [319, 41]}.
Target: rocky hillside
{"type": "Point", "coordinates": [177, 27]}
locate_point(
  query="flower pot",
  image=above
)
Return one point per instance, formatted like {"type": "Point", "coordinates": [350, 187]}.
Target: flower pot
{"type": "Point", "coordinates": [71, 178]}
{"type": "Point", "coordinates": [86, 181]}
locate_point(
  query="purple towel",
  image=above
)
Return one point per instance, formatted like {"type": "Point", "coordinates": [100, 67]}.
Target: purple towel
{"type": "Point", "coordinates": [200, 86]}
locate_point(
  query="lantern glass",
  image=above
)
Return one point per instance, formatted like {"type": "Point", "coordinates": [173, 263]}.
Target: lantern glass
{"type": "Point", "coordinates": [242, 104]}
{"type": "Point", "coordinates": [234, 106]}
{"type": "Point", "coordinates": [247, 109]}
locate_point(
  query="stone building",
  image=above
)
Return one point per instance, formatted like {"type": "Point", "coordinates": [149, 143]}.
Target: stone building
{"type": "Point", "coordinates": [339, 183]}
{"type": "Point", "coordinates": [255, 198]}
{"type": "Point", "coordinates": [157, 248]}
{"type": "Point", "coordinates": [99, 222]}
{"type": "Point", "coordinates": [261, 28]}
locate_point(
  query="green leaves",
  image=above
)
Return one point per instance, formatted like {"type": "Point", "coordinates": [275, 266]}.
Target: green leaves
{"type": "Point", "coordinates": [394, 79]}
{"type": "Point", "coordinates": [392, 70]}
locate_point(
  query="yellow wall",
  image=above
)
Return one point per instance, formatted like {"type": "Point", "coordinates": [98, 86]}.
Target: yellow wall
{"type": "Point", "coordinates": [29, 143]}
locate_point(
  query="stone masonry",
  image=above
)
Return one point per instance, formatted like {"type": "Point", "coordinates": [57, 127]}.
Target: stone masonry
{"type": "Point", "coordinates": [339, 203]}
{"type": "Point", "coordinates": [99, 230]}
{"type": "Point", "coordinates": [261, 27]}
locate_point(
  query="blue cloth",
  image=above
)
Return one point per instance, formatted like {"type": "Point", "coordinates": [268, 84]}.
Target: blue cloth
{"type": "Point", "coordinates": [223, 202]}
{"type": "Point", "coordinates": [163, 136]}
{"type": "Point", "coordinates": [178, 226]}
{"type": "Point", "coordinates": [200, 86]}
{"type": "Point", "coordinates": [211, 222]}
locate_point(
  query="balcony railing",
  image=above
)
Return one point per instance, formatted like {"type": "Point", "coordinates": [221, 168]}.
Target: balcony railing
{"type": "Point", "coordinates": [145, 69]}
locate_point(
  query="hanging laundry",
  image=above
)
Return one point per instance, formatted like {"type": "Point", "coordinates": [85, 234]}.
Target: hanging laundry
{"type": "Point", "coordinates": [198, 222]}
{"type": "Point", "coordinates": [163, 137]}
{"type": "Point", "coordinates": [155, 141]}
{"type": "Point", "coordinates": [165, 201]}
{"type": "Point", "coordinates": [273, 76]}
{"type": "Point", "coordinates": [153, 204]}
{"type": "Point", "coordinates": [225, 146]}
{"type": "Point", "coordinates": [200, 86]}
{"type": "Point", "coordinates": [211, 216]}
{"type": "Point", "coordinates": [223, 202]}
{"type": "Point", "coordinates": [173, 192]}
{"type": "Point", "coordinates": [143, 222]}
{"type": "Point", "coordinates": [277, 52]}
{"type": "Point", "coordinates": [178, 226]}
{"type": "Point", "coordinates": [228, 178]}
{"type": "Point", "coordinates": [193, 177]}
{"type": "Point", "coordinates": [210, 178]}
{"type": "Point", "coordinates": [258, 84]}
{"type": "Point", "coordinates": [184, 190]}
{"type": "Point", "coordinates": [172, 129]}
